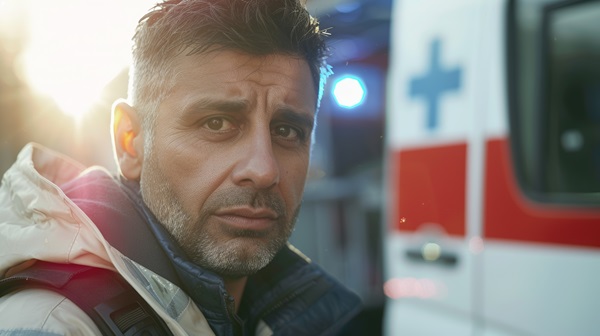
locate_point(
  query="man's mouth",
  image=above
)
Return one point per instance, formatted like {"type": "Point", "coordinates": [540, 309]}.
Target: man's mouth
{"type": "Point", "coordinates": [247, 218]}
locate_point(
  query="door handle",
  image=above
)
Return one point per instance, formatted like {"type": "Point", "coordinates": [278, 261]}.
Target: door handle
{"type": "Point", "coordinates": [432, 253]}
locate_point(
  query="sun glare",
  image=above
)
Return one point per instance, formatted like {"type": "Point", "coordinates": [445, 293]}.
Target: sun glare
{"type": "Point", "coordinates": [76, 47]}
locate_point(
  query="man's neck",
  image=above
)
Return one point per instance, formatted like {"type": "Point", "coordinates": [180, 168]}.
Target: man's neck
{"type": "Point", "coordinates": [235, 287]}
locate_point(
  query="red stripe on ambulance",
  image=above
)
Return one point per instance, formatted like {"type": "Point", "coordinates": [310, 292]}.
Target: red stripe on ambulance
{"type": "Point", "coordinates": [509, 215]}
{"type": "Point", "coordinates": [431, 188]}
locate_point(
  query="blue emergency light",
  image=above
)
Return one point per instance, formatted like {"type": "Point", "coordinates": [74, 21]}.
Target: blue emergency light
{"type": "Point", "coordinates": [349, 91]}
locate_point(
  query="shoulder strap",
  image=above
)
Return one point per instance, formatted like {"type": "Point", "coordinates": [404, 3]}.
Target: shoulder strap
{"type": "Point", "coordinates": [114, 306]}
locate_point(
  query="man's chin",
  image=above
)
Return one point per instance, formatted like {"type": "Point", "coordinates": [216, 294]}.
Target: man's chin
{"type": "Point", "coordinates": [245, 257]}
{"type": "Point", "coordinates": [236, 270]}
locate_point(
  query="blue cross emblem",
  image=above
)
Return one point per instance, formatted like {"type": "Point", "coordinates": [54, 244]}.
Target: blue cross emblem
{"type": "Point", "coordinates": [432, 84]}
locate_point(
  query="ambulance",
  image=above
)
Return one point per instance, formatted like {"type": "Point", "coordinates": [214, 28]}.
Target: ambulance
{"type": "Point", "coordinates": [493, 168]}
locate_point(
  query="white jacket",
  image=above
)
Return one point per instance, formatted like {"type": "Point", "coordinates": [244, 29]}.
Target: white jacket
{"type": "Point", "coordinates": [38, 222]}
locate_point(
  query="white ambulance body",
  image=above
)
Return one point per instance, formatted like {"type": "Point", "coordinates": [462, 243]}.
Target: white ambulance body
{"type": "Point", "coordinates": [493, 168]}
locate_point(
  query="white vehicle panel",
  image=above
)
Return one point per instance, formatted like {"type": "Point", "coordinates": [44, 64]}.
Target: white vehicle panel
{"type": "Point", "coordinates": [442, 46]}
{"type": "Point", "coordinates": [538, 289]}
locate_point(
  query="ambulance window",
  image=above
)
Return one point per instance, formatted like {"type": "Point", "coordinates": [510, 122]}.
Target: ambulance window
{"type": "Point", "coordinates": [554, 98]}
{"type": "Point", "coordinates": [572, 98]}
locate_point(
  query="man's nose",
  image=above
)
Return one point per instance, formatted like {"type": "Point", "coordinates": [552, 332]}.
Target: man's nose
{"type": "Point", "coordinates": [257, 165]}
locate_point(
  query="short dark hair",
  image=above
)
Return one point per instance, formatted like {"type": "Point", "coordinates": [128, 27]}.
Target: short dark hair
{"type": "Point", "coordinates": [257, 27]}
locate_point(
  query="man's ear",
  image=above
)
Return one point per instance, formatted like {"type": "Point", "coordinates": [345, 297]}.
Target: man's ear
{"type": "Point", "coordinates": [128, 141]}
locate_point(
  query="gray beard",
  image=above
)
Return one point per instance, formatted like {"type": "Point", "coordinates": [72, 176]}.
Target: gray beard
{"type": "Point", "coordinates": [241, 256]}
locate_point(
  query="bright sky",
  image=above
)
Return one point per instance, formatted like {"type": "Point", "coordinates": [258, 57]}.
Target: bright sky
{"type": "Point", "coordinates": [75, 46]}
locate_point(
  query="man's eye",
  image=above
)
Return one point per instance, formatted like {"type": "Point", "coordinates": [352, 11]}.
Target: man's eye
{"type": "Point", "coordinates": [218, 124]}
{"type": "Point", "coordinates": [287, 132]}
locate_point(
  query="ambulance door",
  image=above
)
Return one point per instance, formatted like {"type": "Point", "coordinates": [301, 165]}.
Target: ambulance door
{"type": "Point", "coordinates": [434, 130]}
{"type": "Point", "coordinates": [541, 261]}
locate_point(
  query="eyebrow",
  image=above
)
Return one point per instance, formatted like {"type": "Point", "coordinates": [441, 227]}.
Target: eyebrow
{"type": "Point", "coordinates": [291, 115]}
{"type": "Point", "coordinates": [209, 104]}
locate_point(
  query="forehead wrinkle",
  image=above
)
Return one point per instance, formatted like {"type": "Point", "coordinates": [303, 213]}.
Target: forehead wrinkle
{"type": "Point", "coordinates": [269, 80]}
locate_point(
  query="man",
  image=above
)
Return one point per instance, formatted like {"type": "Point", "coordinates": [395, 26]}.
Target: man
{"type": "Point", "coordinates": [213, 148]}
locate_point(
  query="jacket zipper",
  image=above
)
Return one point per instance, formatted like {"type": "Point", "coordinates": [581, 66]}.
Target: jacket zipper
{"type": "Point", "coordinates": [235, 320]}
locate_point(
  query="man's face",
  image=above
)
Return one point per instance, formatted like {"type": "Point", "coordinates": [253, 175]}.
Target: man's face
{"type": "Point", "coordinates": [229, 156]}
